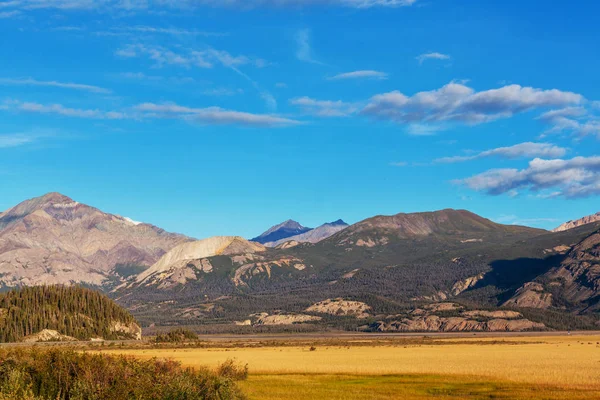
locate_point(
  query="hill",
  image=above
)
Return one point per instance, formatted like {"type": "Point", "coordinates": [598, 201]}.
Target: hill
{"type": "Point", "coordinates": [186, 260]}
{"type": "Point", "coordinates": [59, 312]}
{"type": "Point", "coordinates": [55, 240]}
{"type": "Point", "coordinates": [281, 231]}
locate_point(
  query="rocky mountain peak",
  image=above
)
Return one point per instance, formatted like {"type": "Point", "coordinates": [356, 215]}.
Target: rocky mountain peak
{"type": "Point", "coordinates": [281, 231]}
{"type": "Point", "coordinates": [578, 222]}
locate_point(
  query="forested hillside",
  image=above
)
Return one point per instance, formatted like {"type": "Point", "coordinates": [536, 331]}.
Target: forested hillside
{"type": "Point", "coordinates": [72, 311]}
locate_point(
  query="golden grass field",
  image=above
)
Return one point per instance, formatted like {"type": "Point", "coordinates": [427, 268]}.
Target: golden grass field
{"type": "Point", "coordinates": [558, 367]}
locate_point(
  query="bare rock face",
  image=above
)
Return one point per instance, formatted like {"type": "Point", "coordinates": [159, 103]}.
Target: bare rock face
{"type": "Point", "coordinates": [133, 330]}
{"type": "Point", "coordinates": [434, 323]}
{"type": "Point", "coordinates": [48, 335]}
{"type": "Point", "coordinates": [578, 222]}
{"type": "Point", "coordinates": [576, 280]}
{"type": "Point", "coordinates": [530, 295]}
{"type": "Point", "coordinates": [55, 240]}
{"type": "Point", "coordinates": [284, 319]}
{"type": "Point", "coordinates": [341, 307]}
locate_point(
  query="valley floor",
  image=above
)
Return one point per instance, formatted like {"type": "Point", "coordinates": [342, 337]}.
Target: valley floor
{"type": "Point", "coordinates": [523, 367]}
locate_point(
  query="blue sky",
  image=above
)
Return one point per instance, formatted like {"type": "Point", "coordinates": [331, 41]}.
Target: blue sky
{"type": "Point", "coordinates": [225, 117]}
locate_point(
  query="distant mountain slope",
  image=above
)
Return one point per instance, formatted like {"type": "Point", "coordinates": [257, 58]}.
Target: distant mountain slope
{"type": "Point", "coordinates": [578, 222]}
{"type": "Point", "coordinates": [60, 311]}
{"type": "Point", "coordinates": [451, 225]}
{"type": "Point", "coordinates": [55, 240]}
{"type": "Point", "coordinates": [284, 230]}
{"type": "Point", "coordinates": [315, 235]}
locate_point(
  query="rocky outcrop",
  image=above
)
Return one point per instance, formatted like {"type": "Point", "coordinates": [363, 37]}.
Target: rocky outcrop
{"type": "Point", "coordinates": [576, 281]}
{"type": "Point", "coordinates": [578, 222]}
{"type": "Point", "coordinates": [341, 307]}
{"type": "Point", "coordinates": [530, 295]}
{"type": "Point", "coordinates": [246, 272]}
{"type": "Point", "coordinates": [132, 330]}
{"type": "Point", "coordinates": [434, 323]}
{"type": "Point", "coordinates": [283, 319]}
{"type": "Point", "coordinates": [48, 335]}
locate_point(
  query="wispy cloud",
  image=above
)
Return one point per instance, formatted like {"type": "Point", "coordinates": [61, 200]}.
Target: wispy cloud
{"type": "Point", "coordinates": [324, 108]}
{"type": "Point", "coordinates": [574, 178]}
{"type": "Point", "coordinates": [187, 58]}
{"type": "Point", "coordinates": [9, 14]}
{"type": "Point", "coordinates": [362, 74]}
{"type": "Point", "coordinates": [213, 115]}
{"type": "Point", "coordinates": [208, 115]}
{"type": "Point", "coordinates": [17, 139]}
{"type": "Point", "coordinates": [577, 121]}
{"type": "Point", "coordinates": [139, 5]}
{"type": "Point", "coordinates": [304, 51]}
{"type": "Point", "coordinates": [61, 110]}
{"type": "Point", "coordinates": [61, 85]}
{"type": "Point", "coordinates": [166, 31]}
{"type": "Point", "coordinates": [527, 149]}
{"type": "Point", "coordinates": [432, 56]}
{"type": "Point", "coordinates": [458, 103]}
{"type": "Point", "coordinates": [515, 220]}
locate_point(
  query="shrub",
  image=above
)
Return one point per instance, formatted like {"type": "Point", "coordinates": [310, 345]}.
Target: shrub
{"type": "Point", "coordinates": [60, 374]}
{"type": "Point", "coordinates": [233, 371]}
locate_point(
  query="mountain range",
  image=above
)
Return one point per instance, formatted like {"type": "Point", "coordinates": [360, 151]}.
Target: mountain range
{"type": "Point", "coordinates": [443, 270]}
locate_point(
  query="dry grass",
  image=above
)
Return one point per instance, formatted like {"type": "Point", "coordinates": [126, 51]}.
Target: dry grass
{"type": "Point", "coordinates": [536, 367]}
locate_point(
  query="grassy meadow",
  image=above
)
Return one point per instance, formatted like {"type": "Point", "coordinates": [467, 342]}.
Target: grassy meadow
{"type": "Point", "coordinates": [557, 367]}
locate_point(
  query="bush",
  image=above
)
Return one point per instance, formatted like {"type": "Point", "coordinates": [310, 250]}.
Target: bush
{"type": "Point", "coordinates": [233, 371]}
{"type": "Point", "coordinates": [59, 374]}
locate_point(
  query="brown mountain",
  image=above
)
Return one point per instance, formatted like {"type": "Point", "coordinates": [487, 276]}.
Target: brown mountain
{"type": "Point", "coordinates": [53, 239]}
{"type": "Point", "coordinates": [452, 225]}
{"type": "Point", "coordinates": [589, 219]}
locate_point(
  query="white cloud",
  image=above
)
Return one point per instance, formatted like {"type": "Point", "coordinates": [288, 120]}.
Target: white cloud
{"type": "Point", "coordinates": [213, 115]}
{"type": "Point", "coordinates": [527, 149]}
{"type": "Point", "coordinates": [62, 85]}
{"type": "Point", "coordinates": [399, 164]}
{"type": "Point", "coordinates": [432, 56]}
{"type": "Point", "coordinates": [324, 108]}
{"type": "Point", "coordinates": [456, 102]}
{"type": "Point", "coordinates": [369, 74]}
{"type": "Point", "coordinates": [574, 178]}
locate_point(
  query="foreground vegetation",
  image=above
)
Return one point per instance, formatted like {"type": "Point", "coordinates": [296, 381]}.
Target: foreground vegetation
{"type": "Point", "coordinates": [72, 311]}
{"type": "Point", "coordinates": [557, 367]}
{"type": "Point", "coordinates": [59, 374]}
